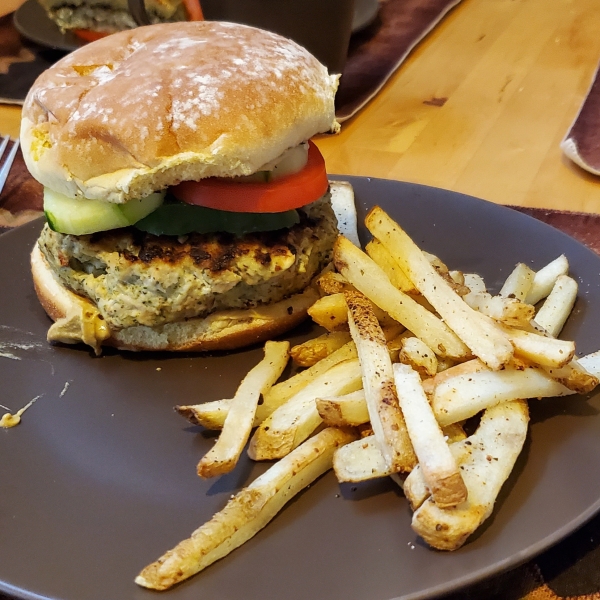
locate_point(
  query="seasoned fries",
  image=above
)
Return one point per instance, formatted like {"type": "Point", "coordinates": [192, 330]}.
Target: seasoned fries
{"type": "Point", "coordinates": [284, 390]}
{"type": "Point", "coordinates": [223, 456]}
{"type": "Point", "coordinates": [297, 419]}
{"type": "Point", "coordinates": [419, 356]}
{"type": "Point", "coordinates": [378, 400]}
{"type": "Point", "coordinates": [386, 417]}
{"type": "Point", "coordinates": [509, 311]}
{"type": "Point", "coordinates": [330, 312]}
{"type": "Point", "coordinates": [477, 331]}
{"type": "Point", "coordinates": [500, 436]}
{"type": "Point", "coordinates": [247, 512]}
{"type": "Point", "coordinates": [558, 305]}
{"type": "Point", "coordinates": [518, 283]}
{"type": "Point", "coordinates": [349, 410]}
{"type": "Point", "coordinates": [360, 460]}
{"type": "Point", "coordinates": [545, 278]}
{"type": "Point", "coordinates": [377, 251]}
{"type": "Point", "coordinates": [312, 351]}
{"type": "Point", "coordinates": [463, 396]}
{"type": "Point", "coordinates": [437, 464]}
{"type": "Point", "coordinates": [541, 350]}
{"type": "Point", "coordinates": [371, 280]}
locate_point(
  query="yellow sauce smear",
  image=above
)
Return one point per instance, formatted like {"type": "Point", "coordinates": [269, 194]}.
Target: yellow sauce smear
{"type": "Point", "coordinates": [8, 420]}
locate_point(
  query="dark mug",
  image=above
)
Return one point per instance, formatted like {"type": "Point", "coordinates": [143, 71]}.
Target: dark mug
{"type": "Point", "coordinates": [323, 27]}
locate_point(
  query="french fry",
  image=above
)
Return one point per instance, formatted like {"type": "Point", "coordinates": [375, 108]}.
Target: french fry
{"type": "Point", "coordinates": [454, 433]}
{"type": "Point", "coordinates": [574, 377]}
{"type": "Point", "coordinates": [518, 283]}
{"type": "Point", "coordinates": [348, 410]}
{"type": "Point", "coordinates": [509, 311]}
{"type": "Point", "coordinates": [369, 279]}
{"type": "Point", "coordinates": [360, 460]}
{"type": "Point", "coordinates": [458, 277]}
{"type": "Point", "coordinates": [440, 472]}
{"type": "Point", "coordinates": [293, 422]}
{"type": "Point", "coordinates": [545, 278]}
{"type": "Point", "coordinates": [377, 251]}
{"type": "Point", "coordinates": [330, 312]}
{"type": "Point", "coordinates": [474, 282]}
{"type": "Point", "coordinates": [331, 282]}
{"type": "Point", "coordinates": [344, 207]}
{"type": "Point", "coordinates": [247, 512]}
{"type": "Point", "coordinates": [391, 330]}
{"type": "Point", "coordinates": [445, 363]}
{"type": "Point", "coordinates": [283, 391]}
{"type": "Point", "coordinates": [315, 349]}
{"type": "Point", "coordinates": [223, 456]}
{"type": "Point", "coordinates": [395, 345]}
{"type": "Point", "coordinates": [414, 486]}
{"type": "Point", "coordinates": [419, 356]}
{"type": "Point", "coordinates": [458, 398]}
{"type": "Point", "coordinates": [477, 331]}
{"type": "Point", "coordinates": [486, 459]}
{"type": "Point", "coordinates": [212, 414]}
{"type": "Point", "coordinates": [461, 397]}
{"type": "Point", "coordinates": [457, 284]}
{"type": "Point", "coordinates": [540, 349]}
{"type": "Point", "coordinates": [558, 305]}
{"type": "Point", "coordinates": [378, 382]}
{"type": "Point", "coordinates": [471, 366]}
{"type": "Point", "coordinates": [591, 363]}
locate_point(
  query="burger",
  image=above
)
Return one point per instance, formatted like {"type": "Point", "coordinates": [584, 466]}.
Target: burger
{"type": "Point", "coordinates": [186, 208]}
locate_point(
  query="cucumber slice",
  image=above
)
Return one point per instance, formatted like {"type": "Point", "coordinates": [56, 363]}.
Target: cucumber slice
{"type": "Point", "coordinates": [178, 218]}
{"type": "Point", "coordinates": [134, 210]}
{"type": "Point", "coordinates": [81, 216]}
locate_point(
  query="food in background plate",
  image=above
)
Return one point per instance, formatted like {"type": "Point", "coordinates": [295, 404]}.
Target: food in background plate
{"type": "Point", "coordinates": [92, 19]}
{"type": "Point", "coordinates": [186, 208]}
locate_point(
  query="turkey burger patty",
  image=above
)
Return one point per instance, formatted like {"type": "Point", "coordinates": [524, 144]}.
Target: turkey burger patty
{"type": "Point", "coordinates": [136, 278]}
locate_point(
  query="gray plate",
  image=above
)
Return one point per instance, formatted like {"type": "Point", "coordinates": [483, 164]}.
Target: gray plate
{"type": "Point", "coordinates": [99, 479]}
{"type": "Point", "coordinates": [32, 22]}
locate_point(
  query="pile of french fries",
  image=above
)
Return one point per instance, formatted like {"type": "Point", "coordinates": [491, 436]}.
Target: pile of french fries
{"type": "Point", "coordinates": [413, 351]}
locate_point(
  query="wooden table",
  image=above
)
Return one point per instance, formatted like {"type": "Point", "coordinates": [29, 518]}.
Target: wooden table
{"type": "Point", "coordinates": [482, 104]}
{"type": "Point", "coordinates": [479, 107]}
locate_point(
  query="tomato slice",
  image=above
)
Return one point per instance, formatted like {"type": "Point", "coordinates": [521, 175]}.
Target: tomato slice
{"type": "Point", "coordinates": [193, 10]}
{"type": "Point", "coordinates": [88, 35]}
{"type": "Point", "coordinates": [285, 193]}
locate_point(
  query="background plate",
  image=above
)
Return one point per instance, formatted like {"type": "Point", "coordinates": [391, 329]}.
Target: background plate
{"type": "Point", "coordinates": [99, 479]}
{"type": "Point", "coordinates": [32, 22]}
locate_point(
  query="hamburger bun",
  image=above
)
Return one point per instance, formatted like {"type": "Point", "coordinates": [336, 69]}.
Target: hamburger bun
{"type": "Point", "coordinates": [144, 109]}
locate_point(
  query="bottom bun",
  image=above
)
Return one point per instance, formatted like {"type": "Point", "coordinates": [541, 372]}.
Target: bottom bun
{"type": "Point", "coordinates": [78, 320]}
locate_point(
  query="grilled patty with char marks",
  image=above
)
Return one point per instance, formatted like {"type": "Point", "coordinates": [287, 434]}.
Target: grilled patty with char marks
{"type": "Point", "coordinates": [136, 278]}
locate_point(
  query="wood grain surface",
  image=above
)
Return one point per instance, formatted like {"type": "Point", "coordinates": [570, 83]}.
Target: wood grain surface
{"type": "Point", "coordinates": [482, 104]}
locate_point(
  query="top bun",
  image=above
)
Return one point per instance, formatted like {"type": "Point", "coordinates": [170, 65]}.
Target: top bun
{"type": "Point", "coordinates": [144, 109]}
